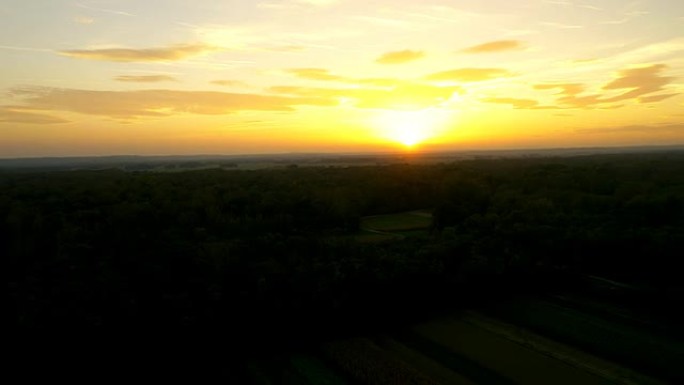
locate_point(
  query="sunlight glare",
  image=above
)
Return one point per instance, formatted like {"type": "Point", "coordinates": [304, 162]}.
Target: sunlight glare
{"type": "Point", "coordinates": [411, 127]}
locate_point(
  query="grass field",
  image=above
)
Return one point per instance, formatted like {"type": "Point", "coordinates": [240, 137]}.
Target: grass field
{"type": "Point", "coordinates": [633, 346]}
{"type": "Point", "coordinates": [492, 359]}
{"type": "Point", "coordinates": [461, 349]}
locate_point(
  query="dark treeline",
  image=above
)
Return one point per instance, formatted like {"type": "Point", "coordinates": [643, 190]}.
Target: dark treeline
{"type": "Point", "coordinates": [275, 250]}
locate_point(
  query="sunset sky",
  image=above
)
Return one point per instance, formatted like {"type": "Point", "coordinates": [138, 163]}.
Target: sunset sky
{"type": "Point", "coordinates": [104, 77]}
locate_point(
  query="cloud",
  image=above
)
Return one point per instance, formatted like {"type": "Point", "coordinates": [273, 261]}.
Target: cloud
{"type": "Point", "coordinates": [295, 4]}
{"type": "Point", "coordinates": [284, 48]}
{"type": "Point", "coordinates": [158, 103]}
{"type": "Point", "coordinates": [158, 54]}
{"type": "Point", "coordinates": [629, 16]}
{"type": "Point", "coordinates": [402, 96]}
{"type": "Point", "coordinates": [145, 78]}
{"type": "Point", "coordinates": [382, 21]}
{"type": "Point", "coordinates": [561, 25]}
{"type": "Point", "coordinates": [112, 11]}
{"type": "Point", "coordinates": [318, 3]}
{"type": "Point", "coordinates": [637, 83]}
{"type": "Point", "coordinates": [314, 74]}
{"type": "Point", "coordinates": [323, 74]}
{"type": "Point", "coordinates": [655, 98]}
{"type": "Point", "coordinates": [567, 89]}
{"type": "Point", "coordinates": [666, 128]}
{"type": "Point", "coordinates": [85, 20]}
{"type": "Point", "coordinates": [29, 49]}
{"type": "Point", "coordinates": [19, 114]}
{"type": "Point", "coordinates": [570, 4]}
{"type": "Point", "coordinates": [520, 104]}
{"type": "Point", "coordinates": [495, 46]}
{"type": "Point", "coordinates": [375, 82]}
{"type": "Point", "coordinates": [515, 102]}
{"type": "Point", "coordinates": [400, 57]}
{"type": "Point", "coordinates": [229, 83]}
{"type": "Point", "coordinates": [470, 74]}
{"type": "Point", "coordinates": [660, 51]}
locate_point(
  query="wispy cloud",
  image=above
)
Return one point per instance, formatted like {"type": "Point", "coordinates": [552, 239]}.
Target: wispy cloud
{"type": "Point", "coordinates": [18, 114]}
{"type": "Point", "coordinates": [558, 2]}
{"type": "Point", "coordinates": [655, 98]}
{"type": "Point", "coordinates": [319, 3]}
{"type": "Point", "coordinates": [495, 46]}
{"type": "Point", "coordinates": [400, 57]}
{"type": "Point", "coordinates": [666, 128]}
{"type": "Point", "coordinates": [157, 54]}
{"type": "Point", "coordinates": [314, 74]}
{"type": "Point", "coordinates": [376, 82]}
{"type": "Point", "coordinates": [145, 78]}
{"type": "Point", "coordinates": [574, 4]}
{"type": "Point", "coordinates": [383, 21]}
{"type": "Point", "coordinates": [84, 20]}
{"type": "Point", "coordinates": [567, 89]}
{"type": "Point", "coordinates": [515, 102]}
{"type": "Point", "coordinates": [229, 83]}
{"type": "Point", "coordinates": [470, 74]}
{"type": "Point", "coordinates": [295, 4]}
{"type": "Point", "coordinates": [590, 6]}
{"type": "Point", "coordinates": [157, 103]}
{"type": "Point", "coordinates": [639, 81]}
{"type": "Point", "coordinates": [105, 10]}
{"type": "Point", "coordinates": [662, 50]}
{"type": "Point", "coordinates": [284, 48]}
{"type": "Point", "coordinates": [402, 96]}
{"type": "Point", "coordinates": [636, 83]}
{"type": "Point", "coordinates": [561, 25]}
{"type": "Point", "coordinates": [31, 49]}
{"type": "Point", "coordinates": [629, 16]}
{"type": "Point", "coordinates": [323, 74]}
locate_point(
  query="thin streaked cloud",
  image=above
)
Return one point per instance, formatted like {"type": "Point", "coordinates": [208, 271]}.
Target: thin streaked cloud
{"type": "Point", "coordinates": [677, 128]}
{"type": "Point", "coordinates": [85, 20]}
{"type": "Point", "coordinates": [157, 103]}
{"type": "Point", "coordinates": [495, 46]}
{"type": "Point", "coordinates": [19, 114]}
{"type": "Point", "coordinates": [514, 102]}
{"type": "Point", "coordinates": [561, 25]}
{"type": "Point", "coordinates": [105, 10]}
{"type": "Point", "coordinates": [156, 54]}
{"type": "Point", "coordinates": [31, 49]}
{"type": "Point", "coordinates": [470, 74]}
{"type": "Point", "coordinates": [229, 83]}
{"type": "Point", "coordinates": [314, 74]}
{"type": "Point", "coordinates": [145, 78]}
{"type": "Point", "coordinates": [400, 57]}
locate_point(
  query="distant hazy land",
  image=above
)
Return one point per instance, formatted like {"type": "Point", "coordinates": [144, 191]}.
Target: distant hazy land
{"type": "Point", "coordinates": [259, 161]}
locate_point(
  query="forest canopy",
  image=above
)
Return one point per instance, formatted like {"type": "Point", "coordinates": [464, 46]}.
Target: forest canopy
{"type": "Point", "coordinates": [112, 247]}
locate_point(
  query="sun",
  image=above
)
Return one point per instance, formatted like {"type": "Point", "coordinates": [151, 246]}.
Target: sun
{"type": "Point", "coordinates": [411, 128]}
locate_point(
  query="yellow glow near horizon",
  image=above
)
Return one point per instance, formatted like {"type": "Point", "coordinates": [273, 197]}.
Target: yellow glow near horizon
{"type": "Point", "coordinates": [411, 127]}
{"type": "Point", "coordinates": [313, 76]}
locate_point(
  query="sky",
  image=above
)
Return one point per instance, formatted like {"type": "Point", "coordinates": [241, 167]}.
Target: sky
{"type": "Point", "coordinates": [153, 77]}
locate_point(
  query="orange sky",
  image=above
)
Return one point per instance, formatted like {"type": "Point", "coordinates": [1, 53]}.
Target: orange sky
{"type": "Point", "coordinates": [107, 77]}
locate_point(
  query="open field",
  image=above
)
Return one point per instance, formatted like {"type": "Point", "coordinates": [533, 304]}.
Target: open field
{"type": "Point", "coordinates": [643, 349]}
{"type": "Point", "coordinates": [463, 349]}
{"type": "Point", "coordinates": [383, 228]}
